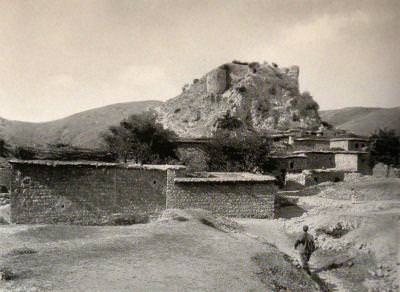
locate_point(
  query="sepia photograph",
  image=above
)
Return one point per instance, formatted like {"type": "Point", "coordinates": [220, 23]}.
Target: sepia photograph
{"type": "Point", "coordinates": [199, 145]}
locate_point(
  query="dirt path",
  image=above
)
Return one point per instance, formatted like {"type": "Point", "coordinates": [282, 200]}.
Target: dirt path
{"type": "Point", "coordinates": [272, 232]}
{"type": "Point", "coordinates": [164, 256]}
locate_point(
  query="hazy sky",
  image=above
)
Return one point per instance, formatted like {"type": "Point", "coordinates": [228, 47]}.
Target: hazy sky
{"type": "Point", "coordinates": [62, 57]}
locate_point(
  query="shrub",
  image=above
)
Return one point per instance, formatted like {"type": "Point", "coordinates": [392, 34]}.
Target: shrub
{"type": "Point", "coordinates": [239, 150]}
{"type": "Point", "coordinates": [6, 274]}
{"type": "Point", "coordinates": [385, 147]}
{"type": "Point", "coordinates": [142, 139]}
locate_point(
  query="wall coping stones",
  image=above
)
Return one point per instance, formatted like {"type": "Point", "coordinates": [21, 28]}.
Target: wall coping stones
{"type": "Point", "coordinates": [312, 139]}
{"type": "Point", "coordinates": [350, 139]}
{"type": "Point", "coordinates": [302, 155]}
{"type": "Point", "coordinates": [329, 152]}
{"type": "Point", "coordinates": [222, 177]}
{"type": "Point", "coordinates": [55, 163]}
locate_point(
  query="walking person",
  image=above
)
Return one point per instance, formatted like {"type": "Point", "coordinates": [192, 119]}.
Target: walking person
{"type": "Point", "coordinates": [354, 196]}
{"type": "Point", "coordinates": [306, 246]}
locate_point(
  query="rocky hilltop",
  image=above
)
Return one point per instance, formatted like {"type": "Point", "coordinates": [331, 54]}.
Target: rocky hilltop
{"type": "Point", "coordinates": [264, 97]}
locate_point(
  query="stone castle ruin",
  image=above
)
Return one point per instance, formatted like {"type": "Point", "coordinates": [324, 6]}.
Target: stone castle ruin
{"type": "Point", "coordinates": [263, 97]}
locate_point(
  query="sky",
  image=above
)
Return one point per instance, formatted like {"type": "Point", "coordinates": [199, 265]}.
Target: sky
{"type": "Point", "coordinates": [59, 57]}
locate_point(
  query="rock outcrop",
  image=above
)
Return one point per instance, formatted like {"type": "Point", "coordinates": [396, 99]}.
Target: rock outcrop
{"type": "Point", "coordinates": [263, 97]}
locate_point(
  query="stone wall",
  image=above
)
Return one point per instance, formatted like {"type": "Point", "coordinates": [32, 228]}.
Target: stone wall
{"type": "Point", "coordinates": [319, 160]}
{"type": "Point", "coordinates": [383, 170]}
{"type": "Point", "coordinates": [5, 179]}
{"type": "Point", "coordinates": [193, 157]}
{"type": "Point", "coordinates": [355, 161]}
{"type": "Point", "coordinates": [233, 199]}
{"type": "Point", "coordinates": [311, 144]}
{"type": "Point", "coordinates": [216, 81]}
{"type": "Point", "coordinates": [341, 144]}
{"type": "Point", "coordinates": [296, 181]}
{"type": "Point", "coordinates": [84, 193]}
{"type": "Point", "coordinates": [349, 144]}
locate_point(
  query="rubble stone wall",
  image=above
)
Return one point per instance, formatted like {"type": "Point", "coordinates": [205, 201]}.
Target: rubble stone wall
{"type": "Point", "coordinates": [84, 194]}
{"type": "Point", "coordinates": [5, 179]}
{"type": "Point", "coordinates": [233, 199]}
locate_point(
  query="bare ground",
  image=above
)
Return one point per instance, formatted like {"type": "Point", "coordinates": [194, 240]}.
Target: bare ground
{"type": "Point", "coordinates": [186, 254]}
{"type": "Point", "coordinates": [358, 242]}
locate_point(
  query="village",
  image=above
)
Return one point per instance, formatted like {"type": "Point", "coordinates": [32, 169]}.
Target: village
{"type": "Point", "coordinates": [199, 146]}
{"type": "Point", "coordinates": [264, 197]}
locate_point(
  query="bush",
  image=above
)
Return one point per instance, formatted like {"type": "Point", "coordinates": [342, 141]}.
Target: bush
{"type": "Point", "coordinates": [239, 151]}
{"type": "Point", "coordinates": [6, 274]}
{"type": "Point", "coordinates": [142, 139]}
{"type": "Point", "coordinates": [385, 147]}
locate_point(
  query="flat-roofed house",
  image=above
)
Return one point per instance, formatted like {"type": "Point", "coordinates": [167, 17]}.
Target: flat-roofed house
{"type": "Point", "coordinates": [350, 143]}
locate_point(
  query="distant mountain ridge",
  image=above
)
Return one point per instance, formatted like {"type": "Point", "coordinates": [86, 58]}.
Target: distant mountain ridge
{"type": "Point", "coordinates": [81, 130]}
{"type": "Point", "coordinates": [363, 120]}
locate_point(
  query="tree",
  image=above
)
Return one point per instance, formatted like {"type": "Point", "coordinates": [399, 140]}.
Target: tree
{"type": "Point", "coordinates": [4, 148]}
{"type": "Point", "coordinates": [239, 151]}
{"type": "Point", "coordinates": [142, 139]}
{"type": "Point", "coordinates": [24, 153]}
{"type": "Point", "coordinates": [385, 147]}
{"type": "Point", "coordinates": [228, 122]}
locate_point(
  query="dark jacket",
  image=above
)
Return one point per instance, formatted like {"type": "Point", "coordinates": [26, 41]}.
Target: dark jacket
{"type": "Point", "coordinates": [306, 243]}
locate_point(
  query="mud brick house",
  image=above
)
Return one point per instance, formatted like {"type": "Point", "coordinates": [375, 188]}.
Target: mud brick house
{"type": "Point", "coordinates": [350, 143]}
{"type": "Point", "coordinates": [234, 194]}
{"type": "Point", "coordinates": [85, 192]}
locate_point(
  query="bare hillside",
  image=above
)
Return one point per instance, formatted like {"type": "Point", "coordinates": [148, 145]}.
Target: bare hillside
{"type": "Point", "coordinates": [363, 120]}
{"type": "Point", "coordinates": [81, 129]}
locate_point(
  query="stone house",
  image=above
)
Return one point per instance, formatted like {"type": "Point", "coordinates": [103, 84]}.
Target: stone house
{"type": "Point", "coordinates": [311, 143]}
{"type": "Point", "coordinates": [295, 181]}
{"type": "Point", "coordinates": [318, 159]}
{"type": "Point", "coordinates": [350, 143]}
{"type": "Point", "coordinates": [353, 161]}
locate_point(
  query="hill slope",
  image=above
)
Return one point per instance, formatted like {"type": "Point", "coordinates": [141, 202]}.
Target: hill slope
{"type": "Point", "coordinates": [363, 120]}
{"type": "Point", "coordinates": [82, 129]}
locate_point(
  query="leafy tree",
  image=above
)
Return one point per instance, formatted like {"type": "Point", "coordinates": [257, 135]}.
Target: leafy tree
{"type": "Point", "coordinates": [228, 122]}
{"type": "Point", "coordinates": [239, 151]}
{"type": "Point", "coordinates": [142, 139]}
{"type": "Point", "coordinates": [4, 148]}
{"type": "Point", "coordinates": [24, 153]}
{"type": "Point", "coordinates": [385, 147]}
